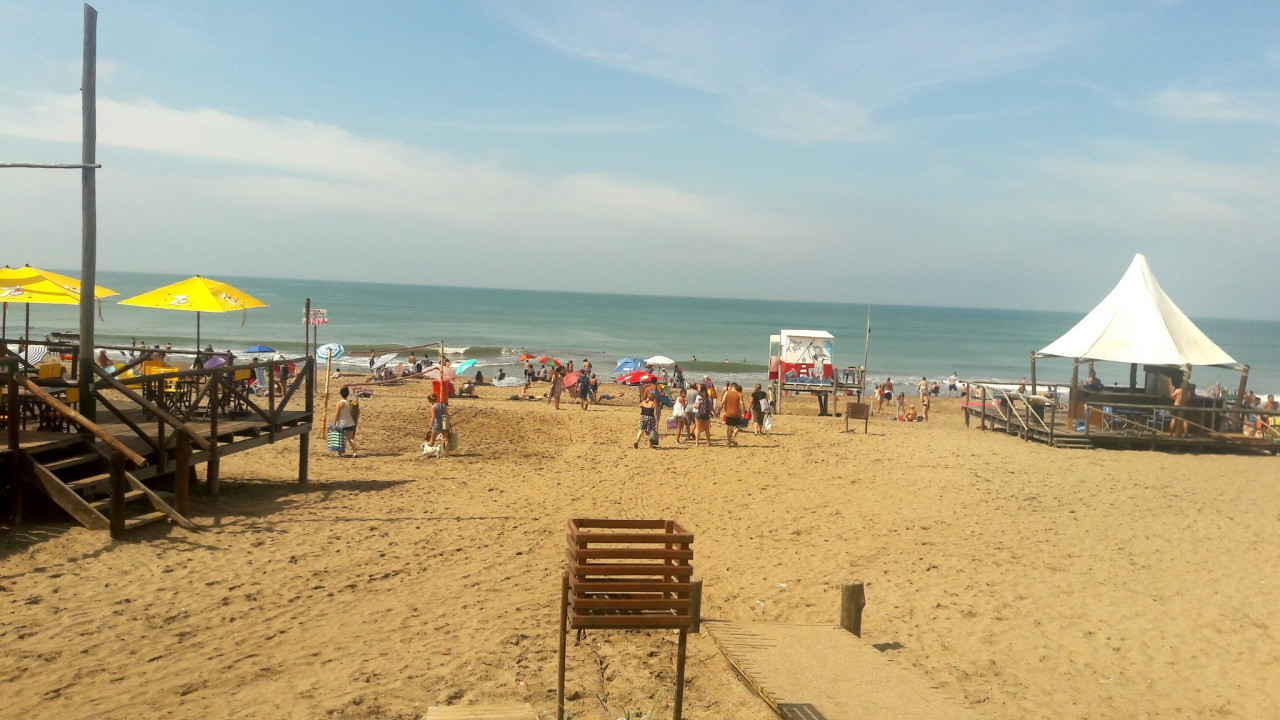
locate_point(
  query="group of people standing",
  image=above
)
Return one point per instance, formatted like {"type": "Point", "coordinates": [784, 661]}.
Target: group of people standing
{"type": "Point", "coordinates": [694, 406]}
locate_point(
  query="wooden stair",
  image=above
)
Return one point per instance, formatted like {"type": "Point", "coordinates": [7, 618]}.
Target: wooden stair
{"type": "Point", "coordinates": [77, 477]}
{"type": "Point", "coordinates": [1073, 442]}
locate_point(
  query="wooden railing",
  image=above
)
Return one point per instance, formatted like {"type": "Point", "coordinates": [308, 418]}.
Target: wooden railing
{"type": "Point", "coordinates": [22, 381]}
{"type": "Point", "coordinates": [1155, 417]}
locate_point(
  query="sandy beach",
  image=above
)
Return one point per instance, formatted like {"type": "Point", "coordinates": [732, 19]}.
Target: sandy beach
{"type": "Point", "coordinates": [1024, 581]}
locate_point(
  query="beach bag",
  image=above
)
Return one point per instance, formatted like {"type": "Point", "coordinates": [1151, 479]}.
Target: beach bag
{"type": "Point", "coordinates": [453, 440]}
{"type": "Point", "coordinates": [336, 439]}
{"type": "Point", "coordinates": [354, 406]}
{"type": "Point", "coordinates": [672, 424]}
{"type": "Point", "coordinates": [765, 406]}
{"type": "Point", "coordinates": [653, 437]}
{"type": "Point", "coordinates": [768, 422]}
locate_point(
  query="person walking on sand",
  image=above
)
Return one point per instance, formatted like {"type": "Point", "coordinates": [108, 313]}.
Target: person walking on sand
{"type": "Point", "coordinates": [345, 419]}
{"type": "Point", "coordinates": [951, 383]}
{"type": "Point", "coordinates": [678, 414]}
{"type": "Point", "coordinates": [758, 396]}
{"type": "Point", "coordinates": [886, 394]}
{"type": "Point", "coordinates": [584, 389]}
{"type": "Point", "coordinates": [438, 421]}
{"type": "Point", "coordinates": [557, 387]}
{"type": "Point", "coordinates": [923, 387]}
{"type": "Point", "coordinates": [702, 416]}
{"type": "Point", "coordinates": [731, 411]}
{"type": "Point", "coordinates": [648, 424]}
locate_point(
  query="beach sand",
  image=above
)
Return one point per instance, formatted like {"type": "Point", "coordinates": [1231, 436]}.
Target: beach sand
{"type": "Point", "coordinates": [1025, 581]}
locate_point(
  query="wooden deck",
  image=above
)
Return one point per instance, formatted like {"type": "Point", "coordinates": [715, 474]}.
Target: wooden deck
{"type": "Point", "coordinates": [824, 672]}
{"type": "Point", "coordinates": [1056, 430]}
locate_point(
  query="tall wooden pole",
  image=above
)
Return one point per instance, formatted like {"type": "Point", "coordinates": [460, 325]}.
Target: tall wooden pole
{"type": "Point", "coordinates": [88, 209]}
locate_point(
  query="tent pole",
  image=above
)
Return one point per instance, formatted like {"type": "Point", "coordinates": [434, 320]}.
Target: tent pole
{"type": "Point", "coordinates": [1133, 375]}
{"type": "Point", "coordinates": [1075, 386]}
{"type": "Point", "coordinates": [26, 328]}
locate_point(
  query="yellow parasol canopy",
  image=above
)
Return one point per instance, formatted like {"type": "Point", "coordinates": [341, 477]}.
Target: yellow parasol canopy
{"type": "Point", "coordinates": [196, 294]}
{"type": "Point", "coordinates": [34, 286]}
{"type": "Point", "coordinates": [35, 279]}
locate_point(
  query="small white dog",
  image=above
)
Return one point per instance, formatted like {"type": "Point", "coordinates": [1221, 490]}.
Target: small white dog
{"type": "Point", "coordinates": [433, 450]}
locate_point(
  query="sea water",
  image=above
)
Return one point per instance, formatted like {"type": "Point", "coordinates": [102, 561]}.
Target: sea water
{"type": "Point", "coordinates": [729, 338]}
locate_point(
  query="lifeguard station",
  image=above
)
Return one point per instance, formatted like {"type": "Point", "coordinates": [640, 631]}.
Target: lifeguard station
{"type": "Point", "coordinates": [804, 361]}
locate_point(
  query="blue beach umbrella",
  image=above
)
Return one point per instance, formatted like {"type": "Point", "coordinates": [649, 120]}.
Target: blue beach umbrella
{"type": "Point", "coordinates": [259, 349]}
{"type": "Point", "coordinates": [464, 366]}
{"type": "Point", "coordinates": [330, 351]}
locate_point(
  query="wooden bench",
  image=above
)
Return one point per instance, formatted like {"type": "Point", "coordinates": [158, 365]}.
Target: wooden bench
{"type": "Point", "coordinates": [628, 575]}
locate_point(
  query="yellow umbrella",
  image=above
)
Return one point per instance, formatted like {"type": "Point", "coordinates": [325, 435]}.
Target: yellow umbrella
{"type": "Point", "coordinates": [197, 295]}
{"type": "Point", "coordinates": [31, 285]}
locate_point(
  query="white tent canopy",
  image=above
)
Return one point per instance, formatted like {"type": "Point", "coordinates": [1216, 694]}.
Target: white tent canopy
{"type": "Point", "coordinates": [1138, 323]}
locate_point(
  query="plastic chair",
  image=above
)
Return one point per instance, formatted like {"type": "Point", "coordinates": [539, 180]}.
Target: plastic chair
{"type": "Point", "coordinates": [50, 370]}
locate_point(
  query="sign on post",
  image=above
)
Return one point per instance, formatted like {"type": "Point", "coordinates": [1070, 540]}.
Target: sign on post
{"type": "Point", "coordinates": [316, 317]}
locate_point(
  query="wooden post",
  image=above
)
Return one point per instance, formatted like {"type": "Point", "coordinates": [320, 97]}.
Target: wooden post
{"type": "Point", "coordinates": [1133, 375]}
{"type": "Point", "coordinates": [15, 416]}
{"type": "Point", "coordinates": [680, 653]}
{"type": "Point", "coordinates": [852, 599]}
{"type": "Point", "coordinates": [1033, 374]}
{"type": "Point", "coordinates": [1074, 400]}
{"type": "Point", "coordinates": [695, 606]}
{"type": "Point", "coordinates": [162, 459]}
{"type": "Point", "coordinates": [1237, 423]}
{"type": "Point", "coordinates": [984, 405]}
{"type": "Point", "coordinates": [211, 471]}
{"type": "Point", "coordinates": [117, 496]}
{"type": "Point", "coordinates": [564, 632]}
{"type": "Point", "coordinates": [182, 477]}
{"type": "Point", "coordinates": [309, 404]}
{"type": "Point", "coordinates": [88, 209]}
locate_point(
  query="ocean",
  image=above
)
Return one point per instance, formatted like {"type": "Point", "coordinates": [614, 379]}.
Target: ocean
{"type": "Point", "coordinates": [729, 338]}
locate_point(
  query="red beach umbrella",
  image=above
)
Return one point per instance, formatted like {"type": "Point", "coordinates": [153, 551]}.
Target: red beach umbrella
{"type": "Point", "coordinates": [637, 376]}
{"type": "Point", "coordinates": [548, 360]}
{"type": "Point", "coordinates": [524, 357]}
{"type": "Point", "coordinates": [572, 378]}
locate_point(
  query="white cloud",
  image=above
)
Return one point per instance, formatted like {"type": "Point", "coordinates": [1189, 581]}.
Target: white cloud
{"type": "Point", "coordinates": [304, 169]}
{"type": "Point", "coordinates": [1215, 105]}
{"type": "Point", "coordinates": [805, 73]}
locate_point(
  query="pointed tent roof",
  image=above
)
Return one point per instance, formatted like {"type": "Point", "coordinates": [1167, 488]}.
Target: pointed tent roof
{"type": "Point", "coordinates": [1138, 323]}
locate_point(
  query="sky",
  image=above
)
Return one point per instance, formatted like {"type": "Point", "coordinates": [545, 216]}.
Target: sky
{"type": "Point", "coordinates": [967, 154]}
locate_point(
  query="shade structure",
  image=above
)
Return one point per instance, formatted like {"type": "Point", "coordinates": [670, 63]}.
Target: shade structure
{"type": "Point", "coordinates": [1138, 323]}
{"type": "Point", "coordinates": [441, 372]}
{"type": "Point", "coordinates": [267, 349]}
{"type": "Point", "coordinates": [35, 286]}
{"type": "Point", "coordinates": [327, 351]}
{"type": "Point", "coordinates": [637, 376]}
{"type": "Point", "coordinates": [198, 295]}
{"type": "Point", "coordinates": [627, 364]}
{"type": "Point", "coordinates": [659, 360]}
{"type": "Point", "coordinates": [464, 366]}
{"type": "Point", "coordinates": [548, 360]}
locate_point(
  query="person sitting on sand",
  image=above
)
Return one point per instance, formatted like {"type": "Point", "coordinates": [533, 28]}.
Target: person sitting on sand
{"type": "Point", "coordinates": [103, 360]}
{"type": "Point", "coordinates": [911, 414]}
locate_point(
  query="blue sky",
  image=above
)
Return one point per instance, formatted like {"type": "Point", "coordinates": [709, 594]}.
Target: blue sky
{"type": "Point", "coordinates": [996, 154]}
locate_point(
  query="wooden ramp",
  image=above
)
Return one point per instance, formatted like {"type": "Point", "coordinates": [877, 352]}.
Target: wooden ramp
{"type": "Point", "coordinates": [824, 672]}
{"type": "Point", "coordinates": [481, 712]}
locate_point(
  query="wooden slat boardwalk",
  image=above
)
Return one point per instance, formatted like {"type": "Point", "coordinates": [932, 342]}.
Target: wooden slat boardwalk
{"type": "Point", "coordinates": [823, 672]}
{"type": "Point", "coordinates": [523, 711]}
